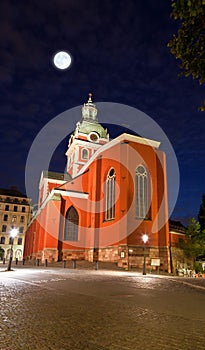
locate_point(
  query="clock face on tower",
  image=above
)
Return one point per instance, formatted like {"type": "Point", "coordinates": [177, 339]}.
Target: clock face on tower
{"type": "Point", "coordinates": [93, 136]}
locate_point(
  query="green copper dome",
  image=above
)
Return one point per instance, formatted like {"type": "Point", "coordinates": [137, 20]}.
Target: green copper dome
{"type": "Point", "coordinates": [86, 127]}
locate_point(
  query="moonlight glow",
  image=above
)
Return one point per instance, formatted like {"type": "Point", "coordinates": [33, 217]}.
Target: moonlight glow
{"type": "Point", "coordinates": [62, 60]}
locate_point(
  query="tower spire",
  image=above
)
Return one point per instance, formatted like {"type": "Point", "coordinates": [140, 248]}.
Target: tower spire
{"type": "Point", "coordinates": [89, 110]}
{"type": "Point", "coordinates": [90, 97]}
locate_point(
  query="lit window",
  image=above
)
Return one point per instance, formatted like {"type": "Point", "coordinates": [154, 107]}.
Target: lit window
{"type": "Point", "coordinates": [84, 153]}
{"type": "Point", "coordinates": [142, 193]}
{"type": "Point", "coordinates": [110, 195]}
{"type": "Point", "coordinates": [13, 218]}
{"type": "Point", "coordinates": [71, 225]}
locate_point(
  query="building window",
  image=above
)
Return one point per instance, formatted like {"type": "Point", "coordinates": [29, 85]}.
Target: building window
{"type": "Point", "coordinates": [11, 239]}
{"type": "Point", "coordinates": [15, 208]}
{"type": "Point", "coordinates": [71, 225]}
{"type": "Point", "coordinates": [14, 218]}
{"type": "Point", "coordinates": [84, 153]}
{"type": "Point", "coordinates": [110, 195]}
{"type": "Point", "coordinates": [2, 240]}
{"type": "Point", "coordinates": [22, 219]}
{"type": "Point", "coordinates": [5, 217]}
{"type": "Point", "coordinates": [142, 193]}
{"type": "Point", "coordinates": [19, 241]}
{"type": "Point", "coordinates": [3, 228]}
{"type": "Point", "coordinates": [21, 229]}
{"type": "Point", "coordinates": [7, 207]}
{"type": "Point", "coordinates": [23, 209]}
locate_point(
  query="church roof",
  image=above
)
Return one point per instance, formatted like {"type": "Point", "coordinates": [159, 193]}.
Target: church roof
{"type": "Point", "coordinates": [13, 192]}
{"type": "Point", "coordinates": [123, 138]}
{"type": "Point", "coordinates": [56, 176]}
{"type": "Point", "coordinates": [177, 226]}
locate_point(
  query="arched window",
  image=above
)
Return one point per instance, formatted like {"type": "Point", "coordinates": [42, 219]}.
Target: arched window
{"type": "Point", "coordinates": [84, 153]}
{"type": "Point", "coordinates": [142, 193]}
{"type": "Point", "coordinates": [71, 225]}
{"type": "Point", "coordinates": [110, 195]}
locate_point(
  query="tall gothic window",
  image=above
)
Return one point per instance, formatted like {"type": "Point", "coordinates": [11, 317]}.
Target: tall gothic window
{"type": "Point", "coordinates": [110, 195]}
{"type": "Point", "coordinates": [71, 225]}
{"type": "Point", "coordinates": [142, 193]}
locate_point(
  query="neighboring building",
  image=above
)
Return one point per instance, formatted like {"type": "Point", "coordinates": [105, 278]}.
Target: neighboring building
{"type": "Point", "coordinates": [15, 212]}
{"type": "Point", "coordinates": [177, 233]}
{"type": "Point", "coordinates": [115, 191]}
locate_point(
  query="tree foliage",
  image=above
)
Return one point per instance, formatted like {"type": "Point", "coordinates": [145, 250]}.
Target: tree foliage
{"type": "Point", "coordinates": [201, 215]}
{"type": "Point", "coordinates": [194, 244]}
{"type": "Point", "coordinates": [188, 45]}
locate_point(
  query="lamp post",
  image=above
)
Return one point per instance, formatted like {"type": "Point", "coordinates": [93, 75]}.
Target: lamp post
{"type": "Point", "coordinates": [145, 239]}
{"type": "Point", "coordinates": [13, 234]}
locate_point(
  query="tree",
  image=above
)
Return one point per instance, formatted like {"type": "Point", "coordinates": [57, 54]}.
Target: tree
{"type": "Point", "coordinates": [201, 215]}
{"type": "Point", "coordinates": [189, 43]}
{"type": "Point", "coordinates": [194, 243]}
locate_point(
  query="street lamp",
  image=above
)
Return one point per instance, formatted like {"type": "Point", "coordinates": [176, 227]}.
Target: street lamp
{"type": "Point", "coordinates": [145, 239]}
{"type": "Point", "coordinates": [13, 234]}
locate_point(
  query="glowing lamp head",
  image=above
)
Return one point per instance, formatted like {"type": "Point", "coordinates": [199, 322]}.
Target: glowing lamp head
{"type": "Point", "coordinates": [14, 232]}
{"type": "Point", "coordinates": [145, 238]}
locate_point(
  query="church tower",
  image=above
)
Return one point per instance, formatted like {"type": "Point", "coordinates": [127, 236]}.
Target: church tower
{"type": "Point", "coordinates": [87, 138]}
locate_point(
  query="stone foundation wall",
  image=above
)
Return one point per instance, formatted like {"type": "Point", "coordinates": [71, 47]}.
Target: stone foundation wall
{"type": "Point", "coordinates": [50, 254]}
{"type": "Point", "coordinates": [133, 257]}
{"type": "Point", "coordinates": [109, 254]}
{"type": "Point", "coordinates": [89, 255]}
{"type": "Point", "coordinates": [126, 257]}
{"type": "Point", "coordinates": [73, 255]}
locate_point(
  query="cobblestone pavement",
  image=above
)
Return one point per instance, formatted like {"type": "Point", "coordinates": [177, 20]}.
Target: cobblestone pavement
{"type": "Point", "coordinates": [60, 309]}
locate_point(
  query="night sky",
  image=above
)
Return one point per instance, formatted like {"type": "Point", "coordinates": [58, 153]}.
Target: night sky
{"type": "Point", "coordinates": [119, 53]}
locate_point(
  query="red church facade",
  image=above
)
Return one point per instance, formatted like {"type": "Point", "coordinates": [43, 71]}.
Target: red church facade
{"type": "Point", "coordinates": [114, 192]}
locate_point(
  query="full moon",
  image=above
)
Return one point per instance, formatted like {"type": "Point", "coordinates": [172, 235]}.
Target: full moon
{"type": "Point", "coordinates": [62, 60]}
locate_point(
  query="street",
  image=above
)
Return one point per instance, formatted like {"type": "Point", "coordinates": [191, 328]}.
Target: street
{"type": "Point", "coordinates": [59, 309]}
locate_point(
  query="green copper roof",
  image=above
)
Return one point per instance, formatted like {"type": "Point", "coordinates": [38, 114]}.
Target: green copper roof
{"type": "Point", "coordinates": [86, 127]}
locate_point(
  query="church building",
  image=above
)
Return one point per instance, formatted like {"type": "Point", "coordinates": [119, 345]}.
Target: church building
{"type": "Point", "coordinates": [113, 193]}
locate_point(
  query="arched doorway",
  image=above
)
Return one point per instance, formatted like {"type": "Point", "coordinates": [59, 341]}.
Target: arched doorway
{"type": "Point", "coordinates": [18, 254]}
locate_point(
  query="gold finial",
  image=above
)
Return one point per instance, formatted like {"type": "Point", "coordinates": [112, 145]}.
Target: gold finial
{"type": "Point", "coordinates": [90, 98]}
